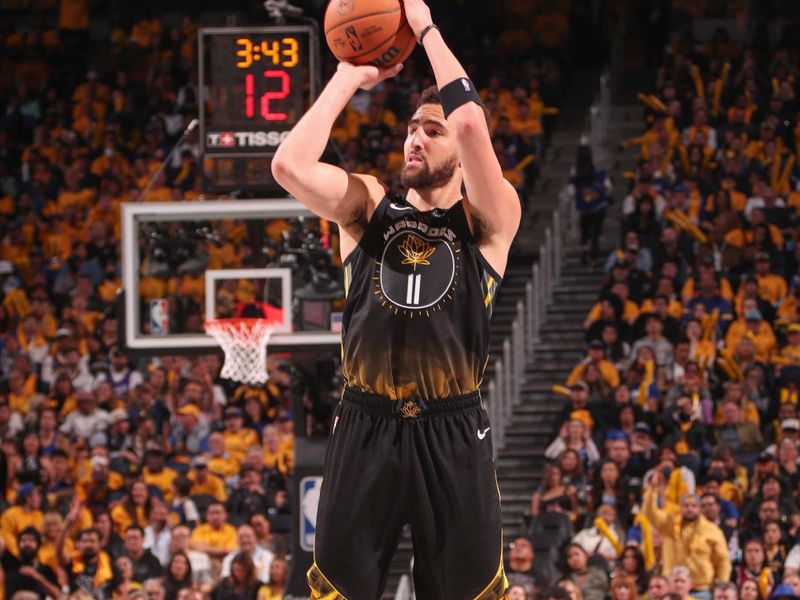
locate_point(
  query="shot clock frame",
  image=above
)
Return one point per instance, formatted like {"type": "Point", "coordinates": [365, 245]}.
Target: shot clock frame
{"type": "Point", "coordinates": [255, 83]}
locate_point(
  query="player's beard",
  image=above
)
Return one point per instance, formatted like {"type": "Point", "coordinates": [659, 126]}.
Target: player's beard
{"type": "Point", "coordinates": [424, 178]}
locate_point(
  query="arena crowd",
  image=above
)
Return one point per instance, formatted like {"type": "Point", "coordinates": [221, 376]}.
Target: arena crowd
{"type": "Point", "coordinates": [674, 470]}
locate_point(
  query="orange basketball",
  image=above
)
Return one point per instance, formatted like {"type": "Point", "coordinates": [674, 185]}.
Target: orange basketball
{"type": "Point", "coordinates": [368, 32]}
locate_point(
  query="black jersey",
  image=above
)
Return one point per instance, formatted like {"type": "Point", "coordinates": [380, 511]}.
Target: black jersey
{"type": "Point", "coordinates": [419, 298]}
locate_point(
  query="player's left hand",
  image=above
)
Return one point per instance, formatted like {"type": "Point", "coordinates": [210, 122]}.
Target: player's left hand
{"type": "Point", "coordinates": [418, 15]}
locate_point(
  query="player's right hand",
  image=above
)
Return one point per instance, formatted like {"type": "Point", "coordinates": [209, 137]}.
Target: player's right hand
{"type": "Point", "coordinates": [368, 76]}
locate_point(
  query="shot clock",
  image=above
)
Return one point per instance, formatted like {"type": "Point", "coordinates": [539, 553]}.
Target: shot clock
{"type": "Point", "coordinates": [255, 84]}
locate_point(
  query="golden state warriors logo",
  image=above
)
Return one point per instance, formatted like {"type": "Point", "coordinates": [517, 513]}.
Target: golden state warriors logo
{"type": "Point", "coordinates": [415, 251]}
{"type": "Point", "coordinates": [416, 273]}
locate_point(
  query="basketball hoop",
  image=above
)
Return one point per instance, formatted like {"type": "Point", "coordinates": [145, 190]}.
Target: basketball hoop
{"type": "Point", "coordinates": [244, 342]}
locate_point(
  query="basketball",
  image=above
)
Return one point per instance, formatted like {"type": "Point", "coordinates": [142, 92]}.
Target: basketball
{"type": "Point", "coordinates": [368, 32]}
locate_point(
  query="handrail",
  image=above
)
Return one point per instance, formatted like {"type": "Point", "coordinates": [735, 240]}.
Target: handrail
{"type": "Point", "coordinates": [404, 589]}
{"type": "Point", "coordinates": [518, 347]}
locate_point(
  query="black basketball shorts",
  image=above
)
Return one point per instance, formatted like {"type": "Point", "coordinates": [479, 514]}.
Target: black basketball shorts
{"type": "Point", "coordinates": [391, 463]}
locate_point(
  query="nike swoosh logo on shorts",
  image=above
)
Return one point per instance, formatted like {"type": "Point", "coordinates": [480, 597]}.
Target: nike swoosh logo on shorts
{"type": "Point", "coordinates": [396, 207]}
{"type": "Point", "coordinates": [482, 434]}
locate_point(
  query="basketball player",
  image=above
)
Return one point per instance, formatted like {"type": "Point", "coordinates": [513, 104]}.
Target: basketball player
{"type": "Point", "coordinates": [410, 441]}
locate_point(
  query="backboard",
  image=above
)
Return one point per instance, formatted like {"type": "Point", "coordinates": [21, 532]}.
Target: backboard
{"type": "Point", "coordinates": [188, 262]}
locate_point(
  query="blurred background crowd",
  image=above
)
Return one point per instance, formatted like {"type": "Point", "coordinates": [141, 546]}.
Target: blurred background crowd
{"type": "Point", "coordinates": [674, 471]}
{"type": "Point", "coordinates": [153, 477]}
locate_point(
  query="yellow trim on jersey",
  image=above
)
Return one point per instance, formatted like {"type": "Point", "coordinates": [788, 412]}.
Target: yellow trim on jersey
{"type": "Point", "coordinates": [346, 290]}
{"type": "Point", "coordinates": [498, 586]}
{"type": "Point", "coordinates": [489, 290]}
{"type": "Point", "coordinates": [325, 589]}
{"type": "Point", "coordinates": [480, 383]}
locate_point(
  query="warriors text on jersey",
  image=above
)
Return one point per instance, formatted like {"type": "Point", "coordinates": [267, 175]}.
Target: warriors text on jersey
{"type": "Point", "coordinates": [419, 298]}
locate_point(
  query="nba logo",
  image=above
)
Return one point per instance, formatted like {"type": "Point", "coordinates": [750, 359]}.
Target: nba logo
{"type": "Point", "coordinates": [309, 501]}
{"type": "Point", "coordinates": [159, 317]}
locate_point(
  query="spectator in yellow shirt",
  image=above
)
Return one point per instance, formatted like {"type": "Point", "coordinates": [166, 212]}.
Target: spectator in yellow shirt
{"type": "Point", "coordinates": [496, 89]}
{"type": "Point", "coordinates": [72, 196]}
{"type": "Point", "coordinates": [220, 462]}
{"type": "Point", "coordinates": [706, 271]}
{"type": "Point", "coordinates": [791, 351]}
{"type": "Point", "coordinates": [274, 452]}
{"type": "Point", "coordinates": [278, 574]}
{"type": "Point", "coordinates": [134, 509]}
{"type": "Point", "coordinates": [596, 356]}
{"type": "Point", "coordinates": [614, 306]}
{"type": "Point", "coordinates": [215, 537]}
{"type": "Point", "coordinates": [789, 310]}
{"type": "Point", "coordinates": [740, 237]}
{"type": "Point", "coordinates": [689, 539]}
{"type": "Point", "coordinates": [237, 439]}
{"type": "Point", "coordinates": [204, 482]}
{"type": "Point", "coordinates": [95, 487]}
{"type": "Point", "coordinates": [286, 431]}
{"type": "Point", "coordinates": [734, 391]}
{"type": "Point", "coordinates": [158, 475]}
{"type": "Point", "coordinates": [771, 287]}
{"type": "Point", "coordinates": [752, 326]}
{"type": "Point", "coordinates": [750, 288]}
{"type": "Point", "coordinates": [43, 311]}
{"type": "Point", "coordinates": [52, 524]}
{"type": "Point", "coordinates": [523, 122]}
{"type": "Point", "coordinates": [26, 513]}
{"type": "Point", "coordinates": [20, 399]}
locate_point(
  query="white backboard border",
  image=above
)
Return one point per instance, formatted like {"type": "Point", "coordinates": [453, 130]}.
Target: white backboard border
{"type": "Point", "coordinates": [136, 213]}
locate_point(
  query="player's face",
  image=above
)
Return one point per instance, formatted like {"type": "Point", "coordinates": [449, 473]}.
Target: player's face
{"type": "Point", "coordinates": [430, 151]}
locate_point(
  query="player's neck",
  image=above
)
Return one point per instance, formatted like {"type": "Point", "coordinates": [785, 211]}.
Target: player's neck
{"type": "Point", "coordinates": [440, 197]}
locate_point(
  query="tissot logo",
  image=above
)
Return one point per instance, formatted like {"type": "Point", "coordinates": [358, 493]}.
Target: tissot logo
{"type": "Point", "coordinates": [245, 139]}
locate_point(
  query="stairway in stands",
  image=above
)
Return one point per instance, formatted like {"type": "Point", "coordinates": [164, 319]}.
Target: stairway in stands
{"type": "Point", "coordinates": [520, 463]}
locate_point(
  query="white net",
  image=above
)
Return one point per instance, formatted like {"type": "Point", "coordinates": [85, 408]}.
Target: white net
{"type": "Point", "coordinates": [244, 342]}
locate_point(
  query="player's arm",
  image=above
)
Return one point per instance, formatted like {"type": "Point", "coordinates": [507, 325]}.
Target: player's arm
{"type": "Point", "coordinates": [325, 189]}
{"type": "Point", "coordinates": [490, 196]}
